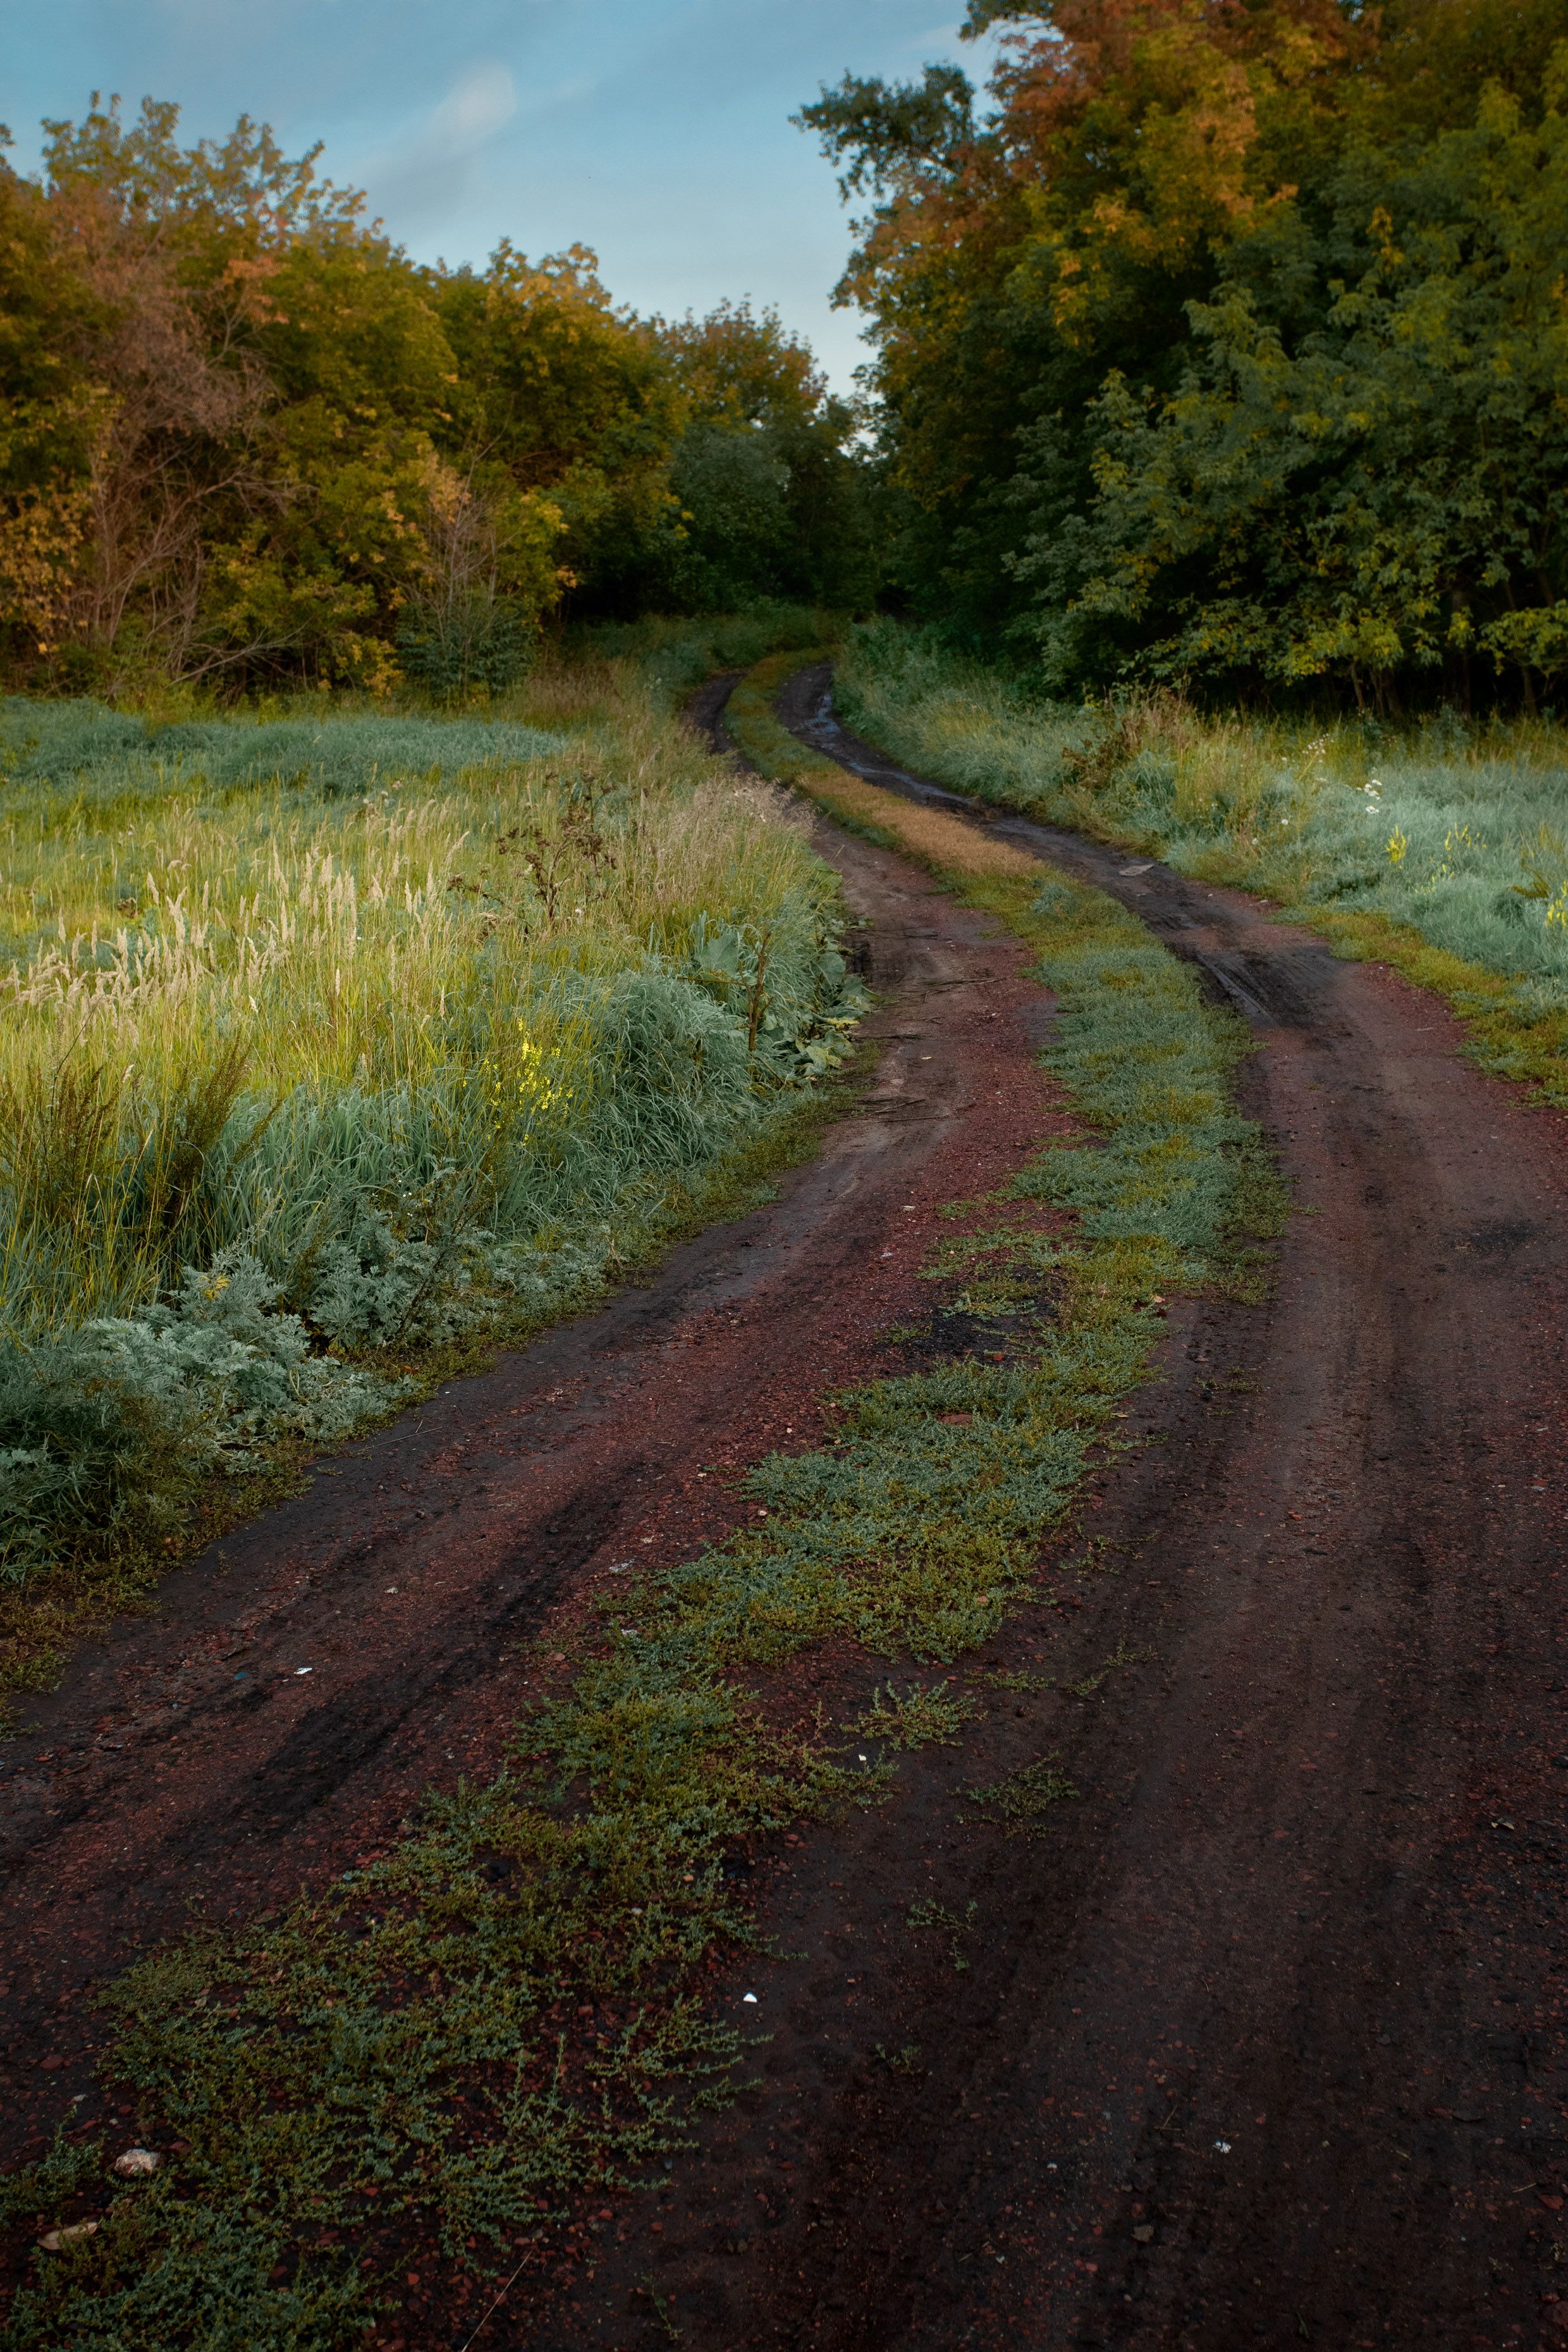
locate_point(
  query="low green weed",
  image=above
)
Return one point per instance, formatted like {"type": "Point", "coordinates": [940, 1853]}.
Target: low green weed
{"type": "Point", "coordinates": [1020, 1801]}
{"type": "Point", "coordinates": [663, 2311]}
{"type": "Point", "coordinates": [906, 2060]}
{"type": "Point", "coordinates": [1095, 1558]}
{"type": "Point", "coordinates": [920, 1717]}
{"type": "Point", "coordinates": [1124, 1654]}
{"type": "Point", "coordinates": [956, 1927]}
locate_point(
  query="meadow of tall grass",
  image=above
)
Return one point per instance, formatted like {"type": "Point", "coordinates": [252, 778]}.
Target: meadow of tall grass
{"type": "Point", "coordinates": [329, 1037]}
{"type": "Point", "coordinates": [1452, 832]}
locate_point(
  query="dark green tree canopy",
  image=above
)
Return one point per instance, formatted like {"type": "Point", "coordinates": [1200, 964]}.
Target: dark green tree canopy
{"type": "Point", "coordinates": [1227, 341]}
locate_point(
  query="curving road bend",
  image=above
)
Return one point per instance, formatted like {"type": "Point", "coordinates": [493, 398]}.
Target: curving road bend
{"type": "Point", "coordinates": [1264, 2044]}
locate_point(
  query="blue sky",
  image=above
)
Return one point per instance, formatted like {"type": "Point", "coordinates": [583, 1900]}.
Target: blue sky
{"type": "Point", "coordinates": [656, 131]}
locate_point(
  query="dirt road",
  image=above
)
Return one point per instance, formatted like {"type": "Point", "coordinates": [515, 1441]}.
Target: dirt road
{"type": "Point", "coordinates": [1266, 2045]}
{"type": "Point", "coordinates": [1263, 2044]}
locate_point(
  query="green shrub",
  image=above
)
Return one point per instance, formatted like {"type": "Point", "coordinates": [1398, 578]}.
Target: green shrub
{"type": "Point", "coordinates": [472, 641]}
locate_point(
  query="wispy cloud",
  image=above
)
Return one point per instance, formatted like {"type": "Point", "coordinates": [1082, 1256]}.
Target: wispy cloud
{"type": "Point", "coordinates": [658, 131]}
{"type": "Point", "coordinates": [474, 108]}
{"type": "Point", "coordinates": [425, 178]}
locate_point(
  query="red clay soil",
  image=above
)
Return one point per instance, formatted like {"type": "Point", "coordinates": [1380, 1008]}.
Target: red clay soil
{"type": "Point", "coordinates": [1261, 2042]}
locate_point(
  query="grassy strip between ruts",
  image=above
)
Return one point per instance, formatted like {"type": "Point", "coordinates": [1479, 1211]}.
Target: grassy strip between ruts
{"type": "Point", "coordinates": [458, 2040]}
{"type": "Point", "coordinates": [944, 842]}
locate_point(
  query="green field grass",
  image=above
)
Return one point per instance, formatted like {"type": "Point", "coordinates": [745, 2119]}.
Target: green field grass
{"type": "Point", "coordinates": [331, 1039]}
{"type": "Point", "coordinates": [1440, 848]}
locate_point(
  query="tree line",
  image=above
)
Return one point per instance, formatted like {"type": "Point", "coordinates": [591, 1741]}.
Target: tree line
{"type": "Point", "coordinates": [245, 440]}
{"type": "Point", "coordinates": [1221, 341]}
{"type": "Point", "coordinates": [1228, 342]}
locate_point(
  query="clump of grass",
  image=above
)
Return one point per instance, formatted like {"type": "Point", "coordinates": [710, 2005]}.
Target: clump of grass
{"type": "Point", "coordinates": [907, 2059]}
{"type": "Point", "coordinates": [958, 1927]}
{"type": "Point", "coordinates": [1020, 1801]}
{"type": "Point", "coordinates": [1438, 848]}
{"type": "Point", "coordinates": [465, 2034]}
{"type": "Point", "coordinates": [924, 1714]}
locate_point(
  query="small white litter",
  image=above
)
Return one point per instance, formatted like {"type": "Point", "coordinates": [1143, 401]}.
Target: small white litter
{"type": "Point", "coordinates": [54, 2242]}
{"type": "Point", "coordinates": [751, 1997]}
{"type": "Point", "coordinates": [304, 1670]}
{"type": "Point", "coordinates": [137, 2163]}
